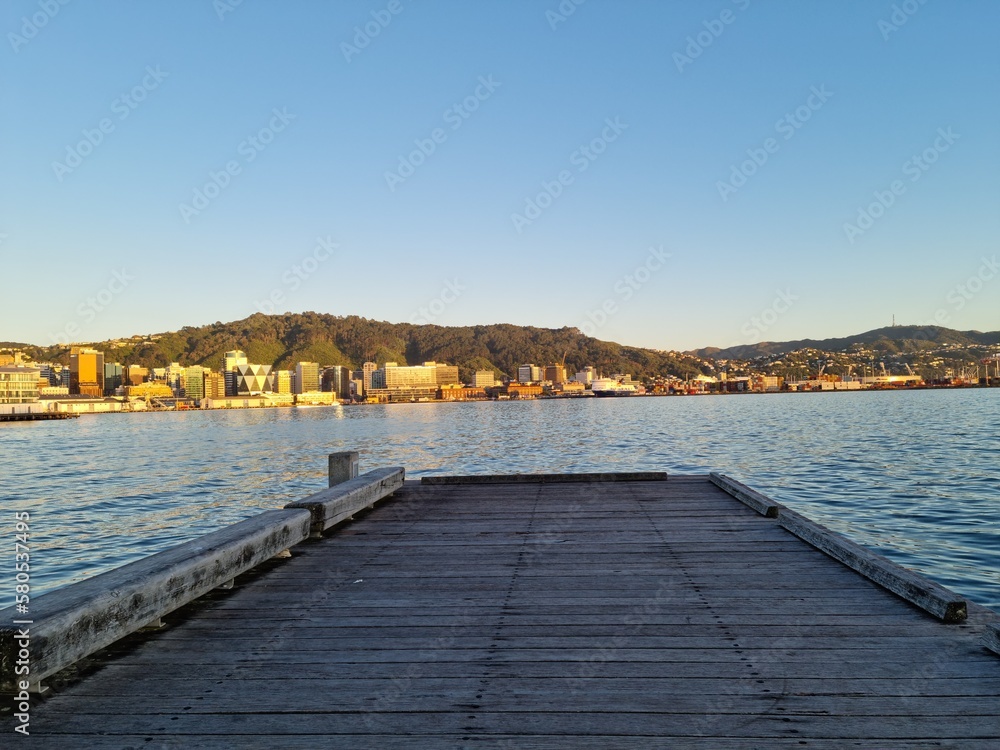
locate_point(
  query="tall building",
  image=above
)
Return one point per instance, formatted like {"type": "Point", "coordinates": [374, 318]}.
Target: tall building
{"type": "Point", "coordinates": [230, 362]}
{"type": "Point", "coordinates": [252, 380]}
{"type": "Point", "coordinates": [337, 379]}
{"type": "Point", "coordinates": [194, 382]}
{"type": "Point", "coordinates": [529, 374]}
{"type": "Point", "coordinates": [484, 379]}
{"type": "Point", "coordinates": [174, 376]}
{"type": "Point", "coordinates": [136, 375]}
{"type": "Point", "coordinates": [114, 377]}
{"type": "Point", "coordinates": [367, 369]}
{"type": "Point", "coordinates": [306, 377]}
{"type": "Point", "coordinates": [283, 381]}
{"type": "Point", "coordinates": [555, 374]}
{"type": "Point", "coordinates": [86, 367]}
{"type": "Point", "coordinates": [444, 374]}
{"type": "Point", "coordinates": [215, 385]}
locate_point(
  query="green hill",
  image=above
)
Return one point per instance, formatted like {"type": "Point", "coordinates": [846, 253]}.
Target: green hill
{"type": "Point", "coordinates": [283, 340]}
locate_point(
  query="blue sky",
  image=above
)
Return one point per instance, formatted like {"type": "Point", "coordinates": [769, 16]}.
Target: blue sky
{"type": "Point", "coordinates": [662, 174]}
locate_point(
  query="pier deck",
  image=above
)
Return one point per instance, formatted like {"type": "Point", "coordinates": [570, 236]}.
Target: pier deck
{"type": "Point", "coordinates": [548, 615]}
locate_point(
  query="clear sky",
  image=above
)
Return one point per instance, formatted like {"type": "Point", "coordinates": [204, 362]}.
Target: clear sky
{"type": "Point", "coordinates": [710, 173]}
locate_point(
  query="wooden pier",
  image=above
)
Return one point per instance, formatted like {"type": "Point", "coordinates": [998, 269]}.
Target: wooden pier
{"type": "Point", "coordinates": [602, 611]}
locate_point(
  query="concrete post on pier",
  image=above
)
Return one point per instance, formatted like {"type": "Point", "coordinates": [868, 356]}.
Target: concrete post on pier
{"type": "Point", "coordinates": [343, 466]}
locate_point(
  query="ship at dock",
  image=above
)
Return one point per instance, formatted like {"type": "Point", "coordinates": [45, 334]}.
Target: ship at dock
{"type": "Point", "coordinates": [613, 387]}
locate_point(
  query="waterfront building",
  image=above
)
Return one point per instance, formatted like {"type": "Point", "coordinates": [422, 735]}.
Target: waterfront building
{"type": "Point", "coordinates": [18, 385]}
{"type": "Point", "coordinates": [86, 367]}
{"type": "Point", "coordinates": [367, 370]}
{"type": "Point", "coordinates": [484, 379]}
{"type": "Point", "coordinates": [585, 376]}
{"type": "Point", "coordinates": [230, 362]}
{"type": "Point", "coordinates": [529, 374]}
{"type": "Point", "coordinates": [522, 390]}
{"type": "Point", "coordinates": [555, 374]}
{"type": "Point", "coordinates": [460, 393]}
{"type": "Point", "coordinates": [52, 391]}
{"type": "Point", "coordinates": [149, 390]}
{"type": "Point", "coordinates": [252, 380]}
{"type": "Point", "coordinates": [307, 377]}
{"type": "Point", "coordinates": [279, 399]}
{"type": "Point", "coordinates": [315, 398]}
{"type": "Point", "coordinates": [285, 381]}
{"type": "Point", "coordinates": [194, 382]}
{"type": "Point", "coordinates": [235, 402]}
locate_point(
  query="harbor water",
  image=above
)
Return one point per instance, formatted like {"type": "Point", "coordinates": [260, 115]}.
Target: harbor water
{"type": "Point", "coordinates": [914, 474]}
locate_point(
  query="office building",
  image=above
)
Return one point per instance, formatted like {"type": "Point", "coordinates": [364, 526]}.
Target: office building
{"type": "Point", "coordinates": [136, 374]}
{"type": "Point", "coordinates": [367, 369]}
{"type": "Point", "coordinates": [484, 379]}
{"type": "Point", "coordinates": [230, 362]}
{"type": "Point", "coordinates": [337, 380]}
{"type": "Point", "coordinates": [114, 377]}
{"type": "Point", "coordinates": [215, 385]}
{"type": "Point", "coordinates": [18, 385]}
{"type": "Point", "coordinates": [284, 381]}
{"type": "Point", "coordinates": [252, 380]}
{"type": "Point", "coordinates": [529, 374]}
{"type": "Point", "coordinates": [306, 377]}
{"type": "Point", "coordinates": [86, 367]}
{"type": "Point", "coordinates": [194, 382]}
{"type": "Point", "coordinates": [555, 374]}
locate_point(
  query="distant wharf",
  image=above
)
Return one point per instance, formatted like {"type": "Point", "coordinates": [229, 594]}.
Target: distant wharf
{"type": "Point", "coordinates": [547, 611]}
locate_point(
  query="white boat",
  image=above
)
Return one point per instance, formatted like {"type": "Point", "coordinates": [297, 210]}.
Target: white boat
{"type": "Point", "coordinates": [613, 387]}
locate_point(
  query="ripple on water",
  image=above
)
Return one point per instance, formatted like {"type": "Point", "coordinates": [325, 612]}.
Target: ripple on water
{"type": "Point", "coordinates": [913, 474]}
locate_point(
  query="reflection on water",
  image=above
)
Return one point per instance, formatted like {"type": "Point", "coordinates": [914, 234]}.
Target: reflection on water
{"type": "Point", "coordinates": [913, 473]}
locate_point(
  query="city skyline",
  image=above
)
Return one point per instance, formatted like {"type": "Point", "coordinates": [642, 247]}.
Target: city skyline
{"type": "Point", "coordinates": [671, 177]}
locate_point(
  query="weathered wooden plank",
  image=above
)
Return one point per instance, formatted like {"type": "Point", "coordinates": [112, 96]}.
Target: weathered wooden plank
{"type": "Point", "coordinates": [991, 637]}
{"type": "Point", "coordinates": [911, 586]}
{"type": "Point", "coordinates": [596, 477]}
{"type": "Point", "coordinates": [343, 500]}
{"type": "Point", "coordinates": [501, 741]}
{"type": "Point", "coordinates": [77, 620]}
{"type": "Point", "coordinates": [469, 721]}
{"type": "Point", "coordinates": [751, 498]}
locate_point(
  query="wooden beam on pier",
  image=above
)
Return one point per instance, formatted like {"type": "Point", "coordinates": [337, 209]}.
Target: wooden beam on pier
{"type": "Point", "coordinates": [73, 622]}
{"type": "Point", "coordinates": [341, 501]}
